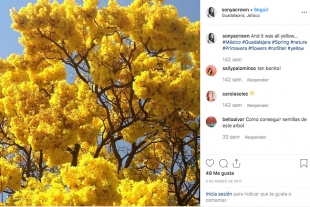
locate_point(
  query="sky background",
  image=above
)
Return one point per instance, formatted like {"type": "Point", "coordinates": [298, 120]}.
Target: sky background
{"type": "Point", "coordinates": [9, 38]}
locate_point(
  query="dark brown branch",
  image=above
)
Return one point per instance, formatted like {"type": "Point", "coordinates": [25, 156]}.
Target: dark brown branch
{"type": "Point", "coordinates": [116, 154]}
{"type": "Point", "coordinates": [75, 154]}
{"type": "Point", "coordinates": [41, 169]}
{"type": "Point", "coordinates": [134, 149]}
{"type": "Point", "coordinates": [28, 169]}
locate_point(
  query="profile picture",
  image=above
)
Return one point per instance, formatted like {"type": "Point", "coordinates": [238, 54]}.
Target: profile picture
{"type": "Point", "coordinates": [211, 121]}
{"type": "Point", "coordinates": [211, 70]}
{"type": "Point", "coordinates": [211, 12]}
{"type": "Point", "coordinates": [211, 38]}
{"type": "Point", "coordinates": [211, 96]}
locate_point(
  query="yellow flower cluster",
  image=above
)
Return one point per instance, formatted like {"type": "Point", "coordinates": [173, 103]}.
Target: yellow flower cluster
{"type": "Point", "coordinates": [143, 63]}
{"type": "Point", "coordinates": [46, 112]}
{"type": "Point", "coordinates": [153, 193]}
{"type": "Point", "coordinates": [179, 87]}
{"type": "Point", "coordinates": [135, 131]}
{"type": "Point", "coordinates": [78, 27]}
{"type": "Point", "coordinates": [10, 176]}
{"type": "Point", "coordinates": [68, 23]}
{"type": "Point", "coordinates": [92, 182]}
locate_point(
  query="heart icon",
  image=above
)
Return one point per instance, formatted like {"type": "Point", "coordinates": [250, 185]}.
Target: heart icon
{"type": "Point", "coordinates": [209, 162]}
{"type": "Point", "coordinates": [252, 93]}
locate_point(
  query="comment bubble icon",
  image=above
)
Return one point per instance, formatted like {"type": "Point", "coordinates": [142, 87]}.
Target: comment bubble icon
{"type": "Point", "coordinates": [223, 163]}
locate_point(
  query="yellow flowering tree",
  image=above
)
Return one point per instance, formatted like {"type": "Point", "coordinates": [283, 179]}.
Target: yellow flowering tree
{"type": "Point", "coordinates": [126, 131]}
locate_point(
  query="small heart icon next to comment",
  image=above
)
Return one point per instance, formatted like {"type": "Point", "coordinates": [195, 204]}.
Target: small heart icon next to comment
{"type": "Point", "coordinates": [252, 93]}
{"type": "Point", "coordinates": [210, 162]}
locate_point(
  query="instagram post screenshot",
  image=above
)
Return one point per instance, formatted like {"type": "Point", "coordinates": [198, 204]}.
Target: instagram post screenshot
{"type": "Point", "coordinates": [155, 103]}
